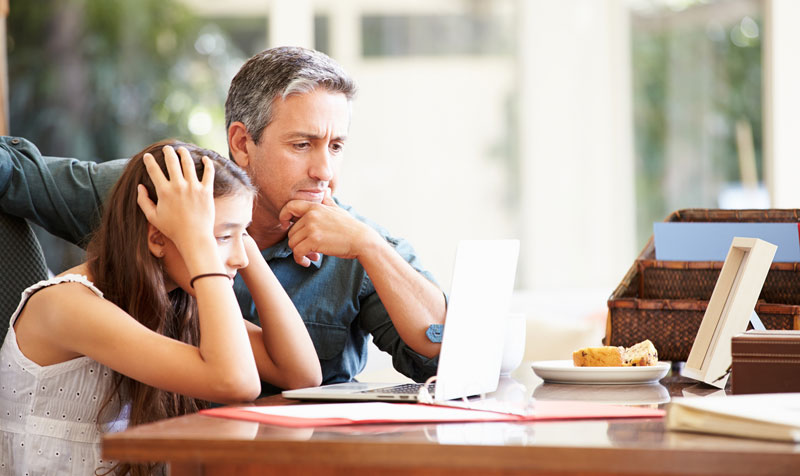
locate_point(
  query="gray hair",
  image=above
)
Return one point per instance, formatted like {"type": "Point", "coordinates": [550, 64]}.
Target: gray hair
{"type": "Point", "coordinates": [280, 72]}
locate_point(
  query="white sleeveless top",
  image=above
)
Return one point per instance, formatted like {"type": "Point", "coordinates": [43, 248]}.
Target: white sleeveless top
{"type": "Point", "coordinates": [48, 415]}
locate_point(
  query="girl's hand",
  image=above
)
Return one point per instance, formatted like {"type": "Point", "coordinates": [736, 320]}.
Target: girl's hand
{"type": "Point", "coordinates": [185, 208]}
{"type": "Point", "coordinates": [253, 254]}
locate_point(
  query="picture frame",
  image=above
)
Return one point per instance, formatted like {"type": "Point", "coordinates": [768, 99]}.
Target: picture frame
{"type": "Point", "coordinates": [729, 310]}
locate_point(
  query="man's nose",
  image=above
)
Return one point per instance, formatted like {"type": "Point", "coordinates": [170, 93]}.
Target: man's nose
{"type": "Point", "coordinates": [320, 167]}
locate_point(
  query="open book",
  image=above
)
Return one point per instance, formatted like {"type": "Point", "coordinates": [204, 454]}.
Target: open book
{"type": "Point", "coordinates": [770, 416]}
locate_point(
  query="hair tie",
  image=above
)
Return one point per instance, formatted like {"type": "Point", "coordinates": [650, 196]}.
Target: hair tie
{"type": "Point", "coordinates": [206, 275]}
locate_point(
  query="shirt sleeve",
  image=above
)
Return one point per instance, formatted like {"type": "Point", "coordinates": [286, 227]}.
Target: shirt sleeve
{"type": "Point", "coordinates": [374, 318]}
{"type": "Point", "coordinates": [62, 195]}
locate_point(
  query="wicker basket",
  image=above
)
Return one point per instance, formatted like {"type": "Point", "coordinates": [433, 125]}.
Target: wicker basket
{"type": "Point", "coordinates": [665, 301]}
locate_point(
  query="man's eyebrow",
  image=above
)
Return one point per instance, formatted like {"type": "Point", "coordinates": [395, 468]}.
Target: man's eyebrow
{"type": "Point", "coordinates": [311, 135]}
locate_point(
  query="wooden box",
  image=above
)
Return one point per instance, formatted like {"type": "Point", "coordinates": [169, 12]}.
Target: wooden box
{"type": "Point", "coordinates": [765, 362]}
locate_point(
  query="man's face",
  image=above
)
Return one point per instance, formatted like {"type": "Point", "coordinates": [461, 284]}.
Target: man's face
{"type": "Point", "coordinates": [301, 150]}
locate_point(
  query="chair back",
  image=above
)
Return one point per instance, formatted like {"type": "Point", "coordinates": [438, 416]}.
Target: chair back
{"type": "Point", "coordinates": [22, 264]}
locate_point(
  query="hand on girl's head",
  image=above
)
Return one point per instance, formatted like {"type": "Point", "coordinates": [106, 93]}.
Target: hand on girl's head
{"type": "Point", "coordinates": [185, 203]}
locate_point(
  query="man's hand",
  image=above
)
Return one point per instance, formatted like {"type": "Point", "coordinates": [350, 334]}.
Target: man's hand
{"type": "Point", "coordinates": [323, 228]}
{"type": "Point", "coordinates": [413, 302]}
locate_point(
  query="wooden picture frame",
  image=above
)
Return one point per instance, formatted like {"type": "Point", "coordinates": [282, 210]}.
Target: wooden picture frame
{"type": "Point", "coordinates": [729, 309]}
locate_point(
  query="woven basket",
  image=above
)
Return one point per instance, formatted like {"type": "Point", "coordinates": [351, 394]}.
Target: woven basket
{"type": "Point", "coordinates": [665, 301]}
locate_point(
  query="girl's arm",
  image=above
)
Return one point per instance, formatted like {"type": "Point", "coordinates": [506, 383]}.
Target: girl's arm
{"type": "Point", "coordinates": [71, 317]}
{"type": "Point", "coordinates": [284, 353]}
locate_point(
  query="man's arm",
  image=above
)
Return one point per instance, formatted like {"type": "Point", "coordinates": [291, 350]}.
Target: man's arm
{"type": "Point", "coordinates": [413, 302]}
{"type": "Point", "coordinates": [374, 318]}
{"type": "Point", "coordinates": [62, 195]}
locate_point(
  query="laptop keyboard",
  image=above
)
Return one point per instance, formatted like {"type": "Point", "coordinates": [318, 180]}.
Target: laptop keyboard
{"type": "Point", "coordinates": [403, 389]}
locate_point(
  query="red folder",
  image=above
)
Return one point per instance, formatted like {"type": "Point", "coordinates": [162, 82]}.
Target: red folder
{"type": "Point", "coordinates": [332, 414]}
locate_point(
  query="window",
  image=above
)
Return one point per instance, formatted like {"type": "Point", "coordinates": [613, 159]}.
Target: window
{"type": "Point", "coordinates": [436, 35]}
{"type": "Point", "coordinates": [697, 107]}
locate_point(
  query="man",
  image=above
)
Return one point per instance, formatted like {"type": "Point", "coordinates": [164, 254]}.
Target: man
{"type": "Point", "coordinates": [287, 116]}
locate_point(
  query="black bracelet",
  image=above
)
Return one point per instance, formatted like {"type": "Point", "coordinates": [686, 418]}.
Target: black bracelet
{"type": "Point", "coordinates": [191, 283]}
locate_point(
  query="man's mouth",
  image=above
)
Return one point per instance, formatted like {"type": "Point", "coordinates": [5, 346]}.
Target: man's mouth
{"type": "Point", "coordinates": [311, 195]}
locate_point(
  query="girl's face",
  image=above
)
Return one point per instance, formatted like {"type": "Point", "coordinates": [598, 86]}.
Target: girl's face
{"type": "Point", "coordinates": [232, 216]}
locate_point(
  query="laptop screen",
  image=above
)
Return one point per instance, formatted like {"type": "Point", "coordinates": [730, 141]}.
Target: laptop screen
{"type": "Point", "coordinates": [477, 311]}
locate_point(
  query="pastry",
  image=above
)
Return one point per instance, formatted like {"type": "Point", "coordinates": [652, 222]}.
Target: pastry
{"type": "Point", "coordinates": [598, 357]}
{"type": "Point", "coordinates": [639, 355]}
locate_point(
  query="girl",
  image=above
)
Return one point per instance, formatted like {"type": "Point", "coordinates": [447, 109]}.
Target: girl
{"type": "Point", "coordinates": [149, 327]}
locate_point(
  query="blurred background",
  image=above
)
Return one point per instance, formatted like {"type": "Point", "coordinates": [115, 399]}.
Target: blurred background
{"type": "Point", "coordinates": [572, 125]}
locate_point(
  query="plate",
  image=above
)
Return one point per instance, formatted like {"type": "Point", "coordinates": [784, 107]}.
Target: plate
{"type": "Point", "coordinates": [652, 393]}
{"type": "Point", "coordinates": [564, 371]}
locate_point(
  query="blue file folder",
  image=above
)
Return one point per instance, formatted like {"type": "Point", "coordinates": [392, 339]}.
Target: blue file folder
{"type": "Point", "coordinates": [704, 241]}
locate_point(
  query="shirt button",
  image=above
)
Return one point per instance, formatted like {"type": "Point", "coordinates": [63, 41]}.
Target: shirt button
{"type": "Point", "coordinates": [15, 141]}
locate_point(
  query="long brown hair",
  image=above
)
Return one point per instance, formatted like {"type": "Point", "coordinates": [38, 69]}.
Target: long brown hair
{"type": "Point", "coordinates": [123, 268]}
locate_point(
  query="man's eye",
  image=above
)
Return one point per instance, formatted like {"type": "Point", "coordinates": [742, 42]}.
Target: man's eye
{"type": "Point", "coordinates": [224, 238]}
{"type": "Point", "coordinates": [302, 145]}
{"type": "Point", "coordinates": [336, 147]}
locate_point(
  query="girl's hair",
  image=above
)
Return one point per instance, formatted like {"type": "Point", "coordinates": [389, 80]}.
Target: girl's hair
{"type": "Point", "coordinates": [127, 273]}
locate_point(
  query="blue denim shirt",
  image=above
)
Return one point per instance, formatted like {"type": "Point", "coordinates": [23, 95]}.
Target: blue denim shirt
{"type": "Point", "coordinates": [334, 296]}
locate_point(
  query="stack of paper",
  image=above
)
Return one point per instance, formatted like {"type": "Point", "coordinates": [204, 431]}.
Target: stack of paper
{"type": "Point", "coordinates": [771, 416]}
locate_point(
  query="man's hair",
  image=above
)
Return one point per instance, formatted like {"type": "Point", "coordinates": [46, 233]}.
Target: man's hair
{"type": "Point", "coordinates": [280, 72]}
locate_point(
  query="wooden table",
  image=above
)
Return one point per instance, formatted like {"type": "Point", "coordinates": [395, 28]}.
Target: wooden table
{"type": "Point", "coordinates": [195, 444]}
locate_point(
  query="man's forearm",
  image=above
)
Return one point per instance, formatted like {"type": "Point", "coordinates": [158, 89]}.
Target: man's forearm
{"type": "Point", "coordinates": [62, 195]}
{"type": "Point", "coordinates": [412, 301]}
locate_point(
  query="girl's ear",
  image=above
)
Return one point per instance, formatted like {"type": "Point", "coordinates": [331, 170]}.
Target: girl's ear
{"type": "Point", "coordinates": [156, 241]}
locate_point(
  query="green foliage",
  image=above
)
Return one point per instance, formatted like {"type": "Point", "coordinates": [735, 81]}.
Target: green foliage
{"type": "Point", "coordinates": [103, 78]}
{"type": "Point", "coordinates": [692, 82]}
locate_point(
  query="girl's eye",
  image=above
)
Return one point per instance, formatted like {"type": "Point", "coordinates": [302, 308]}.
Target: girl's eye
{"type": "Point", "coordinates": [224, 239]}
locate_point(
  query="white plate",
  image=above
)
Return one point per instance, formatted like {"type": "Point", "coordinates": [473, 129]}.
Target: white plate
{"type": "Point", "coordinates": [564, 371]}
{"type": "Point", "coordinates": [629, 394]}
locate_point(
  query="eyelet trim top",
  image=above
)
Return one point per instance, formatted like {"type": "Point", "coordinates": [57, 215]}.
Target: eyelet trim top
{"type": "Point", "coordinates": [49, 414]}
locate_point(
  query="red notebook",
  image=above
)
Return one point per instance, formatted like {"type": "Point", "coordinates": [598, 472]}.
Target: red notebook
{"type": "Point", "coordinates": [331, 414]}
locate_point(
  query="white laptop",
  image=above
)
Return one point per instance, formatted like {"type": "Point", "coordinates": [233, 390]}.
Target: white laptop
{"type": "Point", "coordinates": [474, 331]}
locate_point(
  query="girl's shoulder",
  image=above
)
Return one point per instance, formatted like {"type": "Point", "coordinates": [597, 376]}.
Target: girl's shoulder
{"type": "Point", "coordinates": [52, 314]}
{"type": "Point", "coordinates": [67, 280]}
{"type": "Point", "coordinates": [62, 295]}
{"type": "Point", "coordinates": [65, 287]}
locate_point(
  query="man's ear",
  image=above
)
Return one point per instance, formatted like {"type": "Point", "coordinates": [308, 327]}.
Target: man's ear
{"type": "Point", "coordinates": [156, 241]}
{"type": "Point", "coordinates": [238, 138]}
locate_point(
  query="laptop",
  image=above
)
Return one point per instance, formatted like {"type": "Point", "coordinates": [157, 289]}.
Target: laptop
{"type": "Point", "coordinates": [474, 332]}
